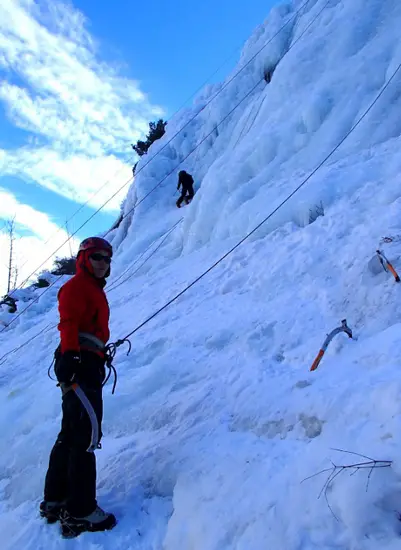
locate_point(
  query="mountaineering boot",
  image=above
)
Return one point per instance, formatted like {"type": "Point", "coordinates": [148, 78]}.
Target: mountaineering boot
{"type": "Point", "coordinates": [98, 520]}
{"type": "Point", "coordinates": [51, 510]}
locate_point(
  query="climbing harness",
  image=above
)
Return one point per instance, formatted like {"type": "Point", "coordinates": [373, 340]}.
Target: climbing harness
{"type": "Point", "coordinates": [109, 354]}
{"type": "Point", "coordinates": [343, 328]}
{"type": "Point", "coordinates": [91, 342]}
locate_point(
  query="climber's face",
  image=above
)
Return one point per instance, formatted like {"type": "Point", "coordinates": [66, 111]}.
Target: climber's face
{"type": "Point", "coordinates": [100, 261]}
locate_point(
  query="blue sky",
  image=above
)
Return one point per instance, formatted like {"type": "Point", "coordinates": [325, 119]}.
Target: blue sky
{"type": "Point", "coordinates": [80, 81]}
{"type": "Point", "coordinates": [185, 40]}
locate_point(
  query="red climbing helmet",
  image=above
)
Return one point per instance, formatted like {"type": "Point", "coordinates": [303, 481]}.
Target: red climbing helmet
{"type": "Point", "coordinates": [95, 242]}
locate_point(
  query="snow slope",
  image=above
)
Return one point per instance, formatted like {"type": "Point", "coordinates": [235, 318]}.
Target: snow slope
{"type": "Point", "coordinates": [217, 420]}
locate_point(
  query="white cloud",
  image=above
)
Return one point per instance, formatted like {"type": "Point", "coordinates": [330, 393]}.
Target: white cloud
{"type": "Point", "coordinates": [82, 111]}
{"type": "Point", "coordinates": [29, 251]}
{"type": "Point", "coordinates": [75, 176]}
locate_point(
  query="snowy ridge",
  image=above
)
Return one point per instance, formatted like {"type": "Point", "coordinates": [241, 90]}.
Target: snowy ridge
{"type": "Point", "coordinates": [216, 419]}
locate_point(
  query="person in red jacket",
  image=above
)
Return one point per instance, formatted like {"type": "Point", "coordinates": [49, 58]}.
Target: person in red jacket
{"type": "Point", "coordinates": [70, 486]}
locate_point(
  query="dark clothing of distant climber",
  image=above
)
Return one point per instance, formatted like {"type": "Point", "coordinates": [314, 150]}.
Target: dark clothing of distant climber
{"type": "Point", "coordinates": [186, 181]}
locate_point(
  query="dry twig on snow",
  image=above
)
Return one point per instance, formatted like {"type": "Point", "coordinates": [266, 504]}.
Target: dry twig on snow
{"type": "Point", "coordinates": [335, 470]}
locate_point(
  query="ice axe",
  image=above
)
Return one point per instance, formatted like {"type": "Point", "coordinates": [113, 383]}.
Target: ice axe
{"type": "Point", "coordinates": [94, 444]}
{"type": "Point", "coordinates": [387, 266]}
{"type": "Point", "coordinates": [343, 328]}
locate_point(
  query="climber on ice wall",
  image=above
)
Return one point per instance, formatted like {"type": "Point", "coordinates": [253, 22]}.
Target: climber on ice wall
{"type": "Point", "coordinates": [187, 182]}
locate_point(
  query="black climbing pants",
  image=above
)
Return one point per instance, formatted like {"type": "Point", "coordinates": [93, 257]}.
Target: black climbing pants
{"type": "Point", "coordinates": [71, 476]}
{"type": "Point", "coordinates": [187, 194]}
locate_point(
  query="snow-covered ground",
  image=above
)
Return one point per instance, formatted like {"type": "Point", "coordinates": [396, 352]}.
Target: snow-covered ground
{"type": "Point", "coordinates": [217, 420]}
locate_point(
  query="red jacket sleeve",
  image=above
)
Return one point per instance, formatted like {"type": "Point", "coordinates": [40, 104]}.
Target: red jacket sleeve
{"type": "Point", "coordinates": [71, 305]}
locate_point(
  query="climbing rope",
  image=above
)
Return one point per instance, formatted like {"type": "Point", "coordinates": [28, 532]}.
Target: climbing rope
{"type": "Point", "coordinates": [111, 349]}
{"type": "Point", "coordinates": [167, 143]}
{"type": "Point", "coordinates": [147, 195]}
{"type": "Point", "coordinates": [208, 79]}
{"type": "Point", "coordinates": [247, 119]}
{"type": "Point", "coordinates": [33, 302]}
{"type": "Point", "coordinates": [40, 333]}
{"type": "Point", "coordinates": [165, 235]}
{"type": "Point", "coordinates": [231, 250]}
{"type": "Point", "coordinates": [110, 352]}
{"type": "Point", "coordinates": [308, 26]}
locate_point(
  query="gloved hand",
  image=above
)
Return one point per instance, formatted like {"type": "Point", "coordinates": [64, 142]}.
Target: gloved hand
{"type": "Point", "coordinates": [67, 366]}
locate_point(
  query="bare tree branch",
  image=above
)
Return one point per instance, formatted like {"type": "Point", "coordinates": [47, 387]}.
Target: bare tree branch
{"type": "Point", "coordinates": [317, 474]}
{"type": "Point", "coordinates": [336, 470]}
{"type": "Point", "coordinates": [10, 228]}
{"type": "Point", "coordinates": [350, 453]}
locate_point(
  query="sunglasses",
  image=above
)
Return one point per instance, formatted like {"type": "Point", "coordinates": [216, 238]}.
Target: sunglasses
{"type": "Point", "coordinates": [99, 257]}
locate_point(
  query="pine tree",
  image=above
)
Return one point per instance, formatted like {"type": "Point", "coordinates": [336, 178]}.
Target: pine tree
{"type": "Point", "coordinates": [156, 131]}
{"type": "Point", "coordinates": [64, 266]}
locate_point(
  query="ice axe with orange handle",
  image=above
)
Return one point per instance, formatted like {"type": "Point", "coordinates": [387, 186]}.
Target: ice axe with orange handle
{"type": "Point", "coordinates": [387, 266]}
{"type": "Point", "coordinates": [343, 328]}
